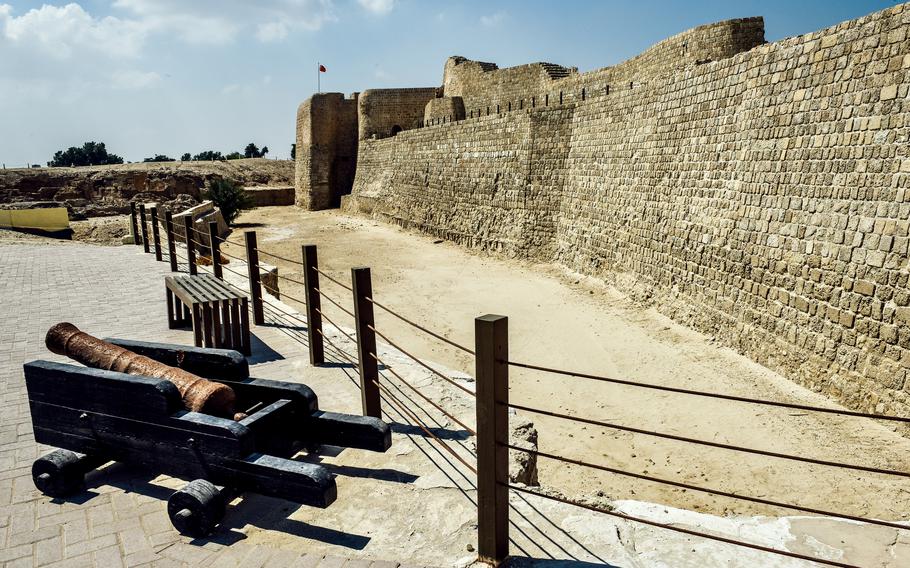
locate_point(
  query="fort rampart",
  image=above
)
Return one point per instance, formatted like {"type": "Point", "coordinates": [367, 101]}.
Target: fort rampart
{"type": "Point", "coordinates": [759, 192]}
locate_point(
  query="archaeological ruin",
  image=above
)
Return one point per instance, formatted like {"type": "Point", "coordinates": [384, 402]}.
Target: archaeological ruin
{"type": "Point", "coordinates": [759, 192]}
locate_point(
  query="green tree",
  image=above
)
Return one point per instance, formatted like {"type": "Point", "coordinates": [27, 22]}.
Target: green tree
{"type": "Point", "coordinates": [158, 158]}
{"type": "Point", "coordinates": [186, 157]}
{"type": "Point", "coordinates": [253, 151]}
{"type": "Point", "coordinates": [208, 156]}
{"type": "Point", "coordinates": [229, 196]}
{"type": "Point", "coordinates": [90, 154]}
{"type": "Point", "coordinates": [233, 156]}
{"type": "Point", "coordinates": [293, 151]}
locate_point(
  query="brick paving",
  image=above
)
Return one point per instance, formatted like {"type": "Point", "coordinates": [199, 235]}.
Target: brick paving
{"type": "Point", "coordinates": [119, 520]}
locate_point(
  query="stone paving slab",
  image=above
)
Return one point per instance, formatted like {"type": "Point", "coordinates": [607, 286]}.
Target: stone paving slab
{"type": "Point", "coordinates": [108, 291]}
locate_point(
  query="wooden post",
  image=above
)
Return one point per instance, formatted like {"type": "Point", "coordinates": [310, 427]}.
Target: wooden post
{"type": "Point", "coordinates": [252, 262]}
{"type": "Point", "coordinates": [190, 239]}
{"type": "Point", "coordinates": [491, 341]}
{"type": "Point", "coordinates": [313, 305]}
{"type": "Point", "coordinates": [156, 233]}
{"type": "Point", "coordinates": [145, 230]}
{"type": "Point", "coordinates": [134, 226]}
{"type": "Point", "coordinates": [171, 244]}
{"type": "Point", "coordinates": [366, 341]}
{"type": "Point", "coordinates": [215, 249]}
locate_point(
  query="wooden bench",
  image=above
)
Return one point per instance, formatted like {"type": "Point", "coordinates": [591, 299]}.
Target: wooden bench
{"type": "Point", "coordinates": [216, 310]}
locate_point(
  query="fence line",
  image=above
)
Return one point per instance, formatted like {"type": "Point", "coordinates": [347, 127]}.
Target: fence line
{"type": "Point", "coordinates": [334, 303]}
{"type": "Point", "coordinates": [423, 396]}
{"type": "Point", "coordinates": [338, 282]}
{"type": "Point", "coordinates": [709, 490]}
{"type": "Point", "coordinates": [418, 326]}
{"type": "Point", "coordinates": [721, 396]}
{"type": "Point", "coordinates": [709, 443]}
{"type": "Point", "coordinates": [421, 363]}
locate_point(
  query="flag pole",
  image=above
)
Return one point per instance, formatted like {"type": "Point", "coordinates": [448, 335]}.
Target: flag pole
{"type": "Point", "coordinates": [318, 78]}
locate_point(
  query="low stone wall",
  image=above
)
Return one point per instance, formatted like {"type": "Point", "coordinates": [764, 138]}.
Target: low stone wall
{"type": "Point", "coordinates": [271, 196]}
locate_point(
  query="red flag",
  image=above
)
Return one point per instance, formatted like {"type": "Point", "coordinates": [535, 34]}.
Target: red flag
{"type": "Point", "coordinates": [322, 68]}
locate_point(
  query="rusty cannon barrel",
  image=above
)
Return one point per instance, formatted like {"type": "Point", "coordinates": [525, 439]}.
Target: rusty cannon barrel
{"type": "Point", "coordinates": [199, 394]}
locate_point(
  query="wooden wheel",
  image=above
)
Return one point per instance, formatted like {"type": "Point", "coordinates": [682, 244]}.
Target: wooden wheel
{"type": "Point", "coordinates": [60, 473]}
{"type": "Point", "coordinates": [196, 509]}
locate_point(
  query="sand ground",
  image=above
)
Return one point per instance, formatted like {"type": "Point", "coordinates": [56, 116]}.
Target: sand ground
{"type": "Point", "coordinates": [560, 319]}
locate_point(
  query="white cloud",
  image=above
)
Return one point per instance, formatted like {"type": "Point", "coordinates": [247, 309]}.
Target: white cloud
{"type": "Point", "coordinates": [272, 31]}
{"type": "Point", "coordinates": [493, 19]}
{"type": "Point", "coordinates": [61, 31]}
{"type": "Point", "coordinates": [133, 80]}
{"type": "Point", "coordinates": [218, 22]}
{"type": "Point", "coordinates": [381, 74]}
{"type": "Point", "coordinates": [377, 6]}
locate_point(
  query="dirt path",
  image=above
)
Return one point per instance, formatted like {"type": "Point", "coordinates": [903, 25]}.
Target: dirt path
{"type": "Point", "coordinates": [563, 320]}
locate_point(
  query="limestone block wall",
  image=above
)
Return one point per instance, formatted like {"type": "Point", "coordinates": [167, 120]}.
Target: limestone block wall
{"type": "Point", "coordinates": [484, 87]}
{"type": "Point", "coordinates": [444, 109]}
{"type": "Point", "coordinates": [763, 198]}
{"type": "Point", "coordinates": [326, 150]}
{"type": "Point", "coordinates": [384, 111]}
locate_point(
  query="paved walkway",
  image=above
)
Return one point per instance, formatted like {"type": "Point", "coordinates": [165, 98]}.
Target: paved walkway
{"type": "Point", "coordinates": [108, 291]}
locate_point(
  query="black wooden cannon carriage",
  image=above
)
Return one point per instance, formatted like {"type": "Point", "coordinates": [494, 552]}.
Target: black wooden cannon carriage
{"type": "Point", "coordinates": [98, 416]}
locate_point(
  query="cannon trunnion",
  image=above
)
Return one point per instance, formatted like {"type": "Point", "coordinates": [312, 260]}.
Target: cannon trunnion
{"type": "Point", "coordinates": [98, 416]}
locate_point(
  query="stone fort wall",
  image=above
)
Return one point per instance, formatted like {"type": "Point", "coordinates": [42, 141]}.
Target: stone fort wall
{"type": "Point", "coordinates": [762, 197]}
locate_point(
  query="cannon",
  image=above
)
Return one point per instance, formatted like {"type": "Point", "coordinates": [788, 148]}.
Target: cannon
{"type": "Point", "coordinates": [97, 416]}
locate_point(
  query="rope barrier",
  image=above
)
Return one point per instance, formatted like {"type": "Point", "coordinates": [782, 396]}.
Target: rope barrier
{"type": "Point", "coordinates": [709, 490]}
{"type": "Point", "coordinates": [326, 318]}
{"type": "Point", "coordinates": [231, 256]}
{"type": "Point", "coordinates": [721, 396]}
{"type": "Point", "coordinates": [711, 444]}
{"type": "Point", "coordinates": [423, 396]}
{"type": "Point", "coordinates": [340, 351]}
{"type": "Point", "coordinates": [338, 282]}
{"type": "Point", "coordinates": [421, 363]}
{"type": "Point", "coordinates": [334, 303]}
{"type": "Point", "coordinates": [299, 283]}
{"type": "Point", "coordinates": [682, 530]}
{"type": "Point", "coordinates": [288, 314]}
{"type": "Point", "coordinates": [403, 409]}
{"type": "Point", "coordinates": [278, 257]}
{"type": "Point", "coordinates": [289, 297]}
{"type": "Point", "coordinates": [418, 326]}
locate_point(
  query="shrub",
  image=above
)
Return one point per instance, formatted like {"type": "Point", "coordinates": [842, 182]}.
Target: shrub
{"type": "Point", "coordinates": [228, 196]}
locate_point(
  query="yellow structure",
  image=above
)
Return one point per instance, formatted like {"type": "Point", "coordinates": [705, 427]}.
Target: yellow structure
{"type": "Point", "coordinates": [50, 219]}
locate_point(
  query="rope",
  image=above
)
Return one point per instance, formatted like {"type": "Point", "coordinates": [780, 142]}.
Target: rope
{"type": "Point", "coordinates": [340, 351]}
{"type": "Point", "coordinates": [709, 490]}
{"type": "Point", "coordinates": [289, 297]}
{"type": "Point", "coordinates": [711, 444]}
{"type": "Point", "coordinates": [278, 257]}
{"type": "Point", "coordinates": [231, 256]}
{"type": "Point", "coordinates": [291, 280]}
{"type": "Point", "coordinates": [423, 396]}
{"type": "Point", "coordinates": [420, 327]}
{"type": "Point", "coordinates": [421, 363]}
{"type": "Point", "coordinates": [334, 303]}
{"type": "Point", "coordinates": [682, 530]}
{"type": "Point", "coordinates": [342, 284]}
{"type": "Point", "coordinates": [404, 410]}
{"type": "Point", "coordinates": [326, 318]}
{"type": "Point", "coordinates": [710, 394]}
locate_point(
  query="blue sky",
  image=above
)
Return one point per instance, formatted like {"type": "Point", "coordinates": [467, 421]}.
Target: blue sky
{"type": "Point", "coordinates": [174, 76]}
